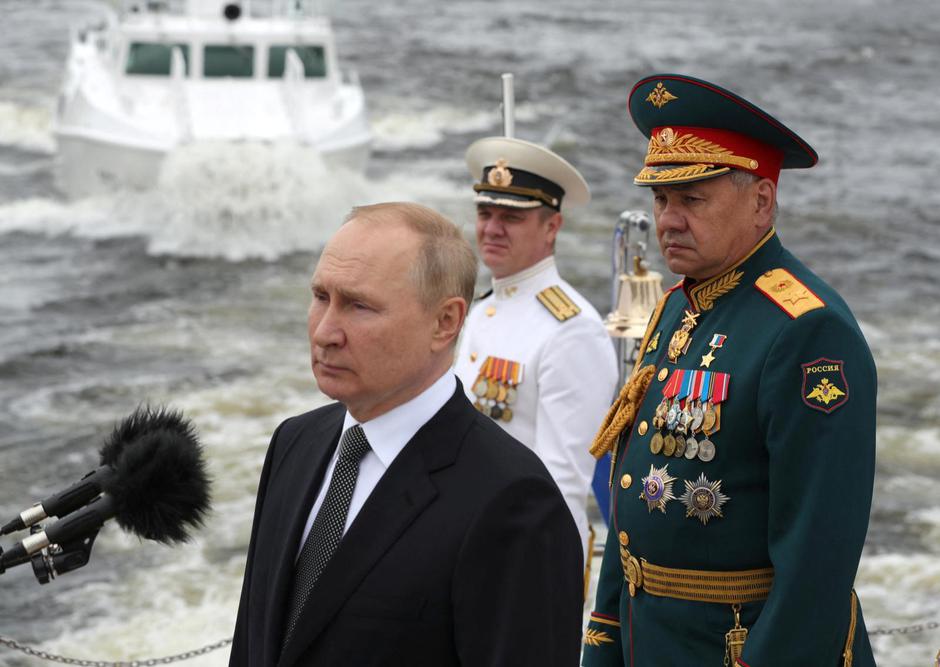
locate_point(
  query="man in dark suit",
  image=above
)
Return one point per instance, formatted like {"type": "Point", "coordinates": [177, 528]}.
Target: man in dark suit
{"type": "Point", "coordinates": [400, 526]}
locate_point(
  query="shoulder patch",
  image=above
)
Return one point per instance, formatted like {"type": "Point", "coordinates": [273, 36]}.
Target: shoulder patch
{"type": "Point", "coordinates": [558, 303]}
{"type": "Point", "coordinates": [824, 385]}
{"type": "Point", "coordinates": [791, 296]}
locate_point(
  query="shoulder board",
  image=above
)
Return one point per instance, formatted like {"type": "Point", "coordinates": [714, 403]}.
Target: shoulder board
{"type": "Point", "coordinates": [558, 303]}
{"type": "Point", "coordinates": [791, 296]}
{"type": "Point", "coordinates": [482, 295]}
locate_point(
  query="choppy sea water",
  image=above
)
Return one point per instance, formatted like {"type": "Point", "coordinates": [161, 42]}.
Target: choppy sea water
{"type": "Point", "coordinates": [195, 294]}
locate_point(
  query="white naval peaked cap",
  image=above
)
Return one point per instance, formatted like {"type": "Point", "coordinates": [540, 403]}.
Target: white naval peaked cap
{"type": "Point", "coordinates": [520, 174]}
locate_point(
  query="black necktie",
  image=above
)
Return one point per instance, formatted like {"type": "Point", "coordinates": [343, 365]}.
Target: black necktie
{"type": "Point", "coordinates": [327, 528]}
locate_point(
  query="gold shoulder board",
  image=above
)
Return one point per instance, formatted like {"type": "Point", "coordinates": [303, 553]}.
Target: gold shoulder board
{"type": "Point", "coordinates": [793, 297]}
{"type": "Point", "coordinates": [558, 303]}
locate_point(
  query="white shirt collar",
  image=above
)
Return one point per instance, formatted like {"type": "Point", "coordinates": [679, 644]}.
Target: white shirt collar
{"type": "Point", "coordinates": [532, 275]}
{"type": "Point", "coordinates": [390, 432]}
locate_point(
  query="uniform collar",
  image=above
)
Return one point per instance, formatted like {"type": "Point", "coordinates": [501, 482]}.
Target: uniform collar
{"type": "Point", "coordinates": [703, 295]}
{"type": "Point", "coordinates": [527, 279]}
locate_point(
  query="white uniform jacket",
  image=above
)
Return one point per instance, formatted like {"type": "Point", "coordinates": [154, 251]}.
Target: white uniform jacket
{"type": "Point", "coordinates": [568, 373]}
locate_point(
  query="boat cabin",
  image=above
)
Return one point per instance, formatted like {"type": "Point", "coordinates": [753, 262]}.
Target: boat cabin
{"type": "Point", "coordinates": [224, 44]}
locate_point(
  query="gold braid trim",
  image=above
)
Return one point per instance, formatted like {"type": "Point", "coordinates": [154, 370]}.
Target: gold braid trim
{"type": "Point", "coordinates": [622, 413]}
{"type": "Point", "coordinates": [649, 175]}
{"type": "Point", "coordinates": [850, 639]}
{"type": "Point", "coordinates": [596, 637]}
{"type": "Point", "coordinates": [709, 293]}
{"type": "Point", "coordinates": [606, 439]}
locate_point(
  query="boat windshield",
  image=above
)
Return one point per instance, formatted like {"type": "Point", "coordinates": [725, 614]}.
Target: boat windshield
{"type": "Point", "coordinates": [153, 58]}
{"type": "Point", "coordinates": [312, 57]}
{"type": "Point", "coordinates": [225, 60]}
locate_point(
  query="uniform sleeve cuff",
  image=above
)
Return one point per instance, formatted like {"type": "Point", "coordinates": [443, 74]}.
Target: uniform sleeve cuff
{"type": "Point", "coordinates": [602, 645]}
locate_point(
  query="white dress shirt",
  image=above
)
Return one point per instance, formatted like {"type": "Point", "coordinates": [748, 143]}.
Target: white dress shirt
{"type": "Point", "coordinates": [387, 435]}
{"type": "Point", "coordinates": [569, 374]}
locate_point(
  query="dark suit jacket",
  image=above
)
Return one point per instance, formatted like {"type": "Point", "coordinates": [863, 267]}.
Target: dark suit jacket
{"type": "Point", "coordinates": [464, 554]}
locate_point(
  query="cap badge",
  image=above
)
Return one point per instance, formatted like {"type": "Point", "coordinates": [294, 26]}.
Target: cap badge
{"type": "Point", "coordinates": [667, 136]}
{"type": "Point", "coordinates": [660, 97]}
{"type": "Point", "coordinates": [500, 176]}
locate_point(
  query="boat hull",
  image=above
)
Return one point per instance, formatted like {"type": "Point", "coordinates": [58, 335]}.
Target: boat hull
{"type": "Point", "coordinates": [90, 166]}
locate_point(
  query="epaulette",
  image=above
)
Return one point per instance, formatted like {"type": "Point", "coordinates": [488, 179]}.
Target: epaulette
{"type": "Point", "coordinates": [791, 296]}
{"type": "Point", "coordinates": [558, 303]}
{"type": "Point", "coordinates": [482, 295]}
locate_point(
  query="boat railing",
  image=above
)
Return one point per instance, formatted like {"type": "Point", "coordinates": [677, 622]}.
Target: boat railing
{"type": "Point", "coordinates": [248, 8]}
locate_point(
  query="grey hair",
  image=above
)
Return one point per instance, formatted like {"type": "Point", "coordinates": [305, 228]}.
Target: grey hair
{"type": "Point", "coordinates": [446, 266]}
{"type": "Point", "coordinates": [742, 179]}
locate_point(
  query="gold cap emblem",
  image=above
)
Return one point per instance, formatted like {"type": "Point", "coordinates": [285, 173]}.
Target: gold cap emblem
{"type": "Point", "coordinates": [500, 176]}
{"type": "Point", "coordinates": [660, 97]}
{"type": "Point", "coordinates": [666, 137]}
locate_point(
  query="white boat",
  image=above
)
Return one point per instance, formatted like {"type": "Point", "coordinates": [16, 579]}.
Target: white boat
{"type": "Point", "coordinates": [151, 80]}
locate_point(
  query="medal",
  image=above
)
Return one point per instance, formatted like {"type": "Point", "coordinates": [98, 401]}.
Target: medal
{"type": "Point", "coordinates": [672, 417]}
{"type": "Point", "coordinates": [682, 337]}
{"type": "Point", "coordinates": [669, 445]}
{"type": "Point", "coordinates": [700, 383]}
{"type": "Point", "coordinates": [706, 450]}
{"type": "Point", "coordinates": [657, 488]}
{"type": "Point", "coordinates": [492, 389]}
{"type": "Point", "coordinates": [496, 387]}
{"type": "Point", "coordinates": [691, 448]}
{"type": "Point", "coordinates": [717, 341]}
{"type": "Point", "coordinates": [670, 390]}
{"type": "Point", "coordinates": [709, 418]}
{"type": "Point", "coordinates": [711, 421]}
{"type": "Point", "coordinates": [697, 416]}
{"type": "Point", "coordinates": [656, 443]}
{"type": "Point", "coordinates": [684, 420]}
{"type": "Point", "coordinates": [703, 499]}
{"type": "Point", "coordinates": [685, 389]}
{"type": "Point", "coordinates": [680, 447]}
{"type": "Point", "coordinates": [659, 420]}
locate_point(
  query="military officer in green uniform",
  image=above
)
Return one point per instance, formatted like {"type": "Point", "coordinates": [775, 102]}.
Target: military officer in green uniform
{"type": "Point", "coordinates": [744, 441]}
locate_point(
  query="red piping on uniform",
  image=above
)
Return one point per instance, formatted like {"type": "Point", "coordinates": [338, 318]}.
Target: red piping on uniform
{"type": "Point", "coordinates": [741, 662]}
{"type": "Point", "coordinates": [609, 618]}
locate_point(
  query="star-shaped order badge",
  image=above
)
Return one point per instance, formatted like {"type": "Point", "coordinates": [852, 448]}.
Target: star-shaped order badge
{"type": "Point", "coordinates": [703, 499]}
{"type": "Point", "coordinates": [657, 488]}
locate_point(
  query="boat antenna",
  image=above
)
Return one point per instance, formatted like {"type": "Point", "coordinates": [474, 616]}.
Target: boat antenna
{"type": "Point", "coordinates": [509, 107]}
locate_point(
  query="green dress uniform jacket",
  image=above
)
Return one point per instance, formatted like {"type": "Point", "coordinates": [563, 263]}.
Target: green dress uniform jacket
{"type": "Point", "coordinates": [789, 485]}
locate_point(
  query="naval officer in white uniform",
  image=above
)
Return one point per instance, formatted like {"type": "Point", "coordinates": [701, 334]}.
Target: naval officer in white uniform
{"type": "Point", "coordinates": [534, 355]}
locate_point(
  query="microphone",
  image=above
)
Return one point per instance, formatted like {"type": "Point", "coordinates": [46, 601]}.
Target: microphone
{"type": "Point", "coordinates": [58, 505]}
{"type": "Point", "coordinates": [154, 482]}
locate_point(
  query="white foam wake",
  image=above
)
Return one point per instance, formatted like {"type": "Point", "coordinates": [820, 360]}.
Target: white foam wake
{"type": "Point", "coordinates": [230, 201]}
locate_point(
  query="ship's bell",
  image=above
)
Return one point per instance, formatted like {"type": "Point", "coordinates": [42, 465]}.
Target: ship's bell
{"type": "Point", "coordinates": [636, 292]}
